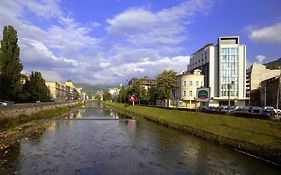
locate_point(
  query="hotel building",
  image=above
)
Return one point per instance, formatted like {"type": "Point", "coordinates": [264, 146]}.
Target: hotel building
{"type": "Point", "coordinates": [187, 84]}
{"type": "Point", "coordinates": [224, 67]}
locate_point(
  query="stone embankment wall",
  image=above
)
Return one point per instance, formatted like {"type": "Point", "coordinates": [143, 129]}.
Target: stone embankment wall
{"type": "Point", "coordinates": [29, 108]}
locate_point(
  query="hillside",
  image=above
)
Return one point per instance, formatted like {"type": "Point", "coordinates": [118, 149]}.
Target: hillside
{"type": "Point", "coordinates": [90, 89]}
{"type": "Point", "coordinates": [274, 64]}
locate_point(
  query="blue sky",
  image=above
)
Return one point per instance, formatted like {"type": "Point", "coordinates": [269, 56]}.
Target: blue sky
{"type": "Point", "coordinates": [111, 41]}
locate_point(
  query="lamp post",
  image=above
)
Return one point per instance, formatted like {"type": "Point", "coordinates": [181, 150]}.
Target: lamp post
{"type": "Point", "coordinates": [229, 87]}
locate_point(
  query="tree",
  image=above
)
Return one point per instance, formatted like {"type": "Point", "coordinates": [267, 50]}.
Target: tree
{"type": "Point", "coordinates": [138, 90]}
{"type": "Point", "coordinates": [152, 95]}
{"type": "Point", "coordinates": [35, 88]}
{"type": "Point", "coordinates": [122, 96]}
{"type": "Point", "coordinates": [106, 95]}
{"type": "Point", "coordinates": [10, 66]}
{"type": "Point", "coordinates": [166, 82]}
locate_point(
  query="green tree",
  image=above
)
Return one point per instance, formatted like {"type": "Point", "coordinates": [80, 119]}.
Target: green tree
{"type": "Point", "coordinates": [97, 97]}
{"type": "Point", "coordinates": [35, 88]}
{"type": "Point", "coordinates": [152, 95]}
{"type": "Point", "coordinates": [106, 95]}
{"type": "Point", "coordinates": [122, 96]}
{"type": "Point", "coordinates": [10, 66]}
{"type": "Point", "coordinates": [166, 83]}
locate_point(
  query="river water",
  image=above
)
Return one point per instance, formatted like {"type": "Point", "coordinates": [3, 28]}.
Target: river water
{"type": "Point", "coordinates": [99, 140]}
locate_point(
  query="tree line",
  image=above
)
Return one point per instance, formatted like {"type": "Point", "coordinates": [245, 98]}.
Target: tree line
{"type": "Point", "coordinates": [15, 86]}
{"type": "Point", "coordinates": [164, 88]}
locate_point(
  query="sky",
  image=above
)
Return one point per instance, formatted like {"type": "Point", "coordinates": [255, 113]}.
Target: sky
{"type": "Point", "coordinates": [111, 41]}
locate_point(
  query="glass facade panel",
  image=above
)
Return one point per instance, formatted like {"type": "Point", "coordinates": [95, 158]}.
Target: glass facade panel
{"type": "Point", "coordinates": [229, 71]}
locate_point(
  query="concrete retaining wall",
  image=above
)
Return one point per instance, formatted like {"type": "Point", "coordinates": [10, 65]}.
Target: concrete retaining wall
{"type": "Point", "coordinates": [29, 108]}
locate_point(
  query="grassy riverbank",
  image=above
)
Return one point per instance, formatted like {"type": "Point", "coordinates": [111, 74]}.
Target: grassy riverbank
{"type": "Point", "coordinates": [261, 137]}
{"type": "Point", "coordinates": [7, 122]}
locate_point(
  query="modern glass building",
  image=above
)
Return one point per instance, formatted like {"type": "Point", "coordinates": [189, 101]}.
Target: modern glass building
{"type": "Point", "coordinates": [224, 67]}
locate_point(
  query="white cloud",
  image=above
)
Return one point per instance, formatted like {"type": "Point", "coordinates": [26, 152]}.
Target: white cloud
{"type": "Point", "coordinates": [49, 75]}
{"type": "Point", "coordinates": [260, 58]}
{"type": "Point", "coordinates": [270, 34]}
{"type": "Point", "coordinates": [136, 44]}
{"type": "Point", "coordinates": [167, 26]}
{"type": "Point", "coordinates": [46, 9]}
{"type": "Point", "coordinates": [117, 74]}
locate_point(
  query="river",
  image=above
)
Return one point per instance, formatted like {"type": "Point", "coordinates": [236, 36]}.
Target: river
{"type": "Point", "coordinates": [98, 140]}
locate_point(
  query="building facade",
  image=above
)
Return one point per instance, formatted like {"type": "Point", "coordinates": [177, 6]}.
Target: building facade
{"type": "Point", "coordinates": [224, 67]}
{"type": "Point", "coordinates": [255, 75]}
{"type": "Point", "coordinates": [145, 83]}
{"type": "Point", "coordinates": [186, 88]}
{"type": "Point", "coordinates": [58, 91]}
{"type": "Point", "coordinates": [267, 98]}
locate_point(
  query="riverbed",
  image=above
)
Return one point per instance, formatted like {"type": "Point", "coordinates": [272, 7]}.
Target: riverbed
{"type": "Point", "coordinates": [96, 139]}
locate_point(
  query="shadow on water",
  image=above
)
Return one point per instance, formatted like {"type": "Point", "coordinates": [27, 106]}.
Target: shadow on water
{"type": "Point", "coordinates": [131, 146]}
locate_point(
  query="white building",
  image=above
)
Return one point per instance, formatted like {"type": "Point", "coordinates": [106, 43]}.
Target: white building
{"type": "Point", "coordinates": [187, 84]}
{"type": "Point", "coordinates": [223, 64]}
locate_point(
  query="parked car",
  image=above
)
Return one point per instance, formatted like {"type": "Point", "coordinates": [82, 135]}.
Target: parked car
{"type": "Point", "coordinates": [255, 109]}
{"type": "Point", "coordinates": [277, 110]}
{"type": "Point", "coordinates": [241, 109]}
{"type": "Point", "coordinates": [3, 104]}
{"type": "Point", "coordinates": [202, 108]}
{"type": "Point", "coordinates": [267, 112]}
{"type": "Point", "coordinates": [212, 108]}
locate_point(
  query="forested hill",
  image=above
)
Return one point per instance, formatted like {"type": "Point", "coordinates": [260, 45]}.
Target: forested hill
{"type": "Point", "coordinates": [90, 89]}
{"type": "Point", "coordinates": [274, 64]}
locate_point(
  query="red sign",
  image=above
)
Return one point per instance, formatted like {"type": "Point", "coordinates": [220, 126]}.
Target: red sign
{"type": "Point", "coordinates": [132, 98]}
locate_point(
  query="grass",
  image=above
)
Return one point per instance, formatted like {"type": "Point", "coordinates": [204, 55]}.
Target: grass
{"type": "Point", "coordinates": [263, 133]}
{"type": "Point", "coordinates": [11, 122]}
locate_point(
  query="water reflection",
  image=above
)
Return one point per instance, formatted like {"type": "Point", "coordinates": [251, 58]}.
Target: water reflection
{"type": "Point", "coordinates": [126, 146]}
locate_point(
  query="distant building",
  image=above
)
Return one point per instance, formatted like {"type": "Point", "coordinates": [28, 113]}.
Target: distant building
{"type": "Point", "coordinates": [58, 91]}
{"type": "Point", "coordinates": [74, 93]}
{"type": "Point", "coordinates": [269, 92]}
{"type": "Point", "coordinates": [145, 83]}
{"type": "Point", "coordinates": [255, 75]}
{"type": "Point", "coordinates": [114, 92]}
{"type": "Point", "coordinates": [222, 65]}
{"type": "Point", "coordinates": [187, 84]}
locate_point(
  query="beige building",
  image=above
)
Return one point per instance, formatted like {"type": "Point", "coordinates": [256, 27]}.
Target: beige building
{"type": "Point", "coordinates": [145, 83]}
{"type": "Point", "coordinates": [256, 74]}
{"type": "Point", "coordinates": [187, 84]}
{"type": "Point", "coordinates": [58, 91]}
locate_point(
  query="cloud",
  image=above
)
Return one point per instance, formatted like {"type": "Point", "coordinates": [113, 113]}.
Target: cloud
{"type": "Point", "coordinates": [260, 58]}
{"type": "Point", "coordinates": [269, 34]}
{"type": "Point", "coordinates": [117, 74]}
{"type": "Point", "coordinates": [135, 43]}
{"type": "Point", "coordinates": [167, 26]}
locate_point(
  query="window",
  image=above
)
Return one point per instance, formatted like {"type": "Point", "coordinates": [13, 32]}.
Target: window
{"type": "Point", "coordinates": [197, 83]}
{"type": "Point", "coordinates": [224, 50]}
{"type": "Point", "coordinates": [184, 83]}
{"type": "Point", "coordinates": [190, 83]}
{"type": "Point", "coordinates": [201, 83]}
{"type": "Point", "coordinates": [190, 93]}
{"type": "Point", "coordinates": [184, 93]}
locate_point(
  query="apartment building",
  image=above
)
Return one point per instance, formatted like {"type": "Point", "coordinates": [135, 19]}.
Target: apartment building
{"type": "Point", "coordinates": [224, 67]}
{"type": "Point", "coordinates": [186, 88]}
{"type": "Point", "coordinates": [145, 83]}
{"type": "Point", "coordinates": [58, 91]}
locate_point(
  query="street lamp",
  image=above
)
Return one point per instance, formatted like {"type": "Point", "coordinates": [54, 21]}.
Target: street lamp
{"type": "Point", "coordinates": [229, 87]}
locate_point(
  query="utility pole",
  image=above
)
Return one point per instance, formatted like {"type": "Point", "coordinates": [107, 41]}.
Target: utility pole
{"type": "Point", "coordinates": [278, 94]}
{"type": "Point", "coordinates": [265, 95]}
{"type": "Point", "coordinates": [229, 87]}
